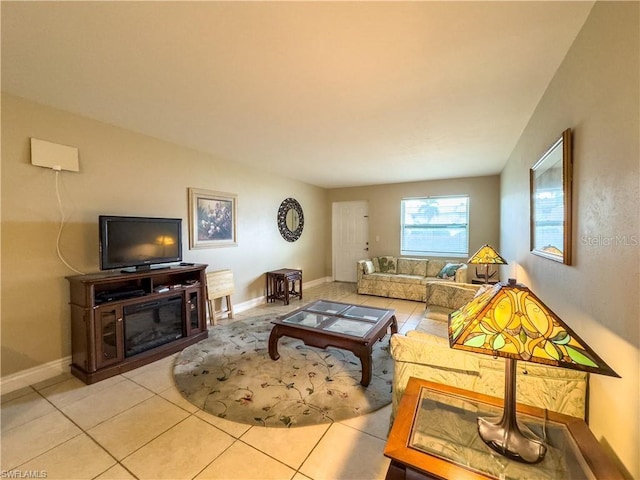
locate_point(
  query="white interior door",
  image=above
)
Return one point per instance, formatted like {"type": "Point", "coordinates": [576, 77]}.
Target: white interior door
{"type": "Point", "coordinates": [350, 226]}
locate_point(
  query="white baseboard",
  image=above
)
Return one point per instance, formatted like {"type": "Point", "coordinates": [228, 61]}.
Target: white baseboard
{"type": "Point", "coordinates": [24, 378]}
{"type": "Point", "coordinates": [249, 304]}
{"type": "Point", "coordinates": [316, 282]}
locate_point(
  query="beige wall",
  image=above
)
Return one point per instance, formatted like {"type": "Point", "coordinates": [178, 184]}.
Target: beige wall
{"type": "Point", "coordinates": [595, 92]}
{"type": "Point", "coordinates": [384, 209]}
{"type": "Point", "coordinates": [130, 174]}
{"type": "Point", "coordinates": [123, 173]}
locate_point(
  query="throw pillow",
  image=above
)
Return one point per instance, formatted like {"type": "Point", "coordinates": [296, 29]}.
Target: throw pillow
{"type": "Point", "coordinates": [387, 264]}
{"type": "Point", "coordinates": [368, 267]}
{"type": "Point", "coordinates": [434, 266]}
{"type": "Point", "coordinates": [449, 270]}
{"type": "Point", "coordinates": [376, 265]}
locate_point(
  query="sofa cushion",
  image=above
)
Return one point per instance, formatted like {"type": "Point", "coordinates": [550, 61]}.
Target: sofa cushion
{"type": "Point", "coordinates": [432, 326]}
{"type": "Point", "coordinates": [434, 267]}
{"type": "Point", "coordinates": [412, 266]}
{"type": "Point", "coordinates": [425, 349]}
{"type": "Point", "coordinates": [449, 270]}
{"type": "Point", "coordinates": [387, 264]}
{"type": "Point", "coordinates": [379, 277]}
{"type": "Point", "coordinates": [412, 279]}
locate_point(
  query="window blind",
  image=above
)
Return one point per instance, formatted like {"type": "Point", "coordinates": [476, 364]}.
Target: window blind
{"type": "Point", "coordinates": [436, 226]}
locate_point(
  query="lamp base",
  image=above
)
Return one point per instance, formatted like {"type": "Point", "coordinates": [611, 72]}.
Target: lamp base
{"type": "Point", "coordinates": [506, 438]}
{"type": "Point", "coordinates": [503, 434]}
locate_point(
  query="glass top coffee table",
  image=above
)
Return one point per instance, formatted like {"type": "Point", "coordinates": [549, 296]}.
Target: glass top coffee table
{"type": "Point", "coordinates": [324, 323]}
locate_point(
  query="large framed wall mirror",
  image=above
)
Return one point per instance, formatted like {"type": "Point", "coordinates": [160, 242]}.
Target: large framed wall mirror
{"type": "Point", "coordinates": [290, 219]}
{"type": "Point", "coordinates": [550, 180]}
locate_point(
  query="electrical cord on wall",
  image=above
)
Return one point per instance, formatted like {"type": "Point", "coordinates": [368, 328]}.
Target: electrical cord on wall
{"type": "Point", "coordinates": [61, 227]}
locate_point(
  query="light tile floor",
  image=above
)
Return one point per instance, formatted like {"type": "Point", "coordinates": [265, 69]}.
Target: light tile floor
{"type": "Point", "coordinates": [137, 425]}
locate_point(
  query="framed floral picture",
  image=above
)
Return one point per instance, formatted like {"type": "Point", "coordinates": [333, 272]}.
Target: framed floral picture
{"type": "Point", "coordinates": [212, 219]}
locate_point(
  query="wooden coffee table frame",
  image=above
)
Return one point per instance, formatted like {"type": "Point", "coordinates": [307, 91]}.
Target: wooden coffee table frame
{"type": "Point", "coordinates": [362, 347]}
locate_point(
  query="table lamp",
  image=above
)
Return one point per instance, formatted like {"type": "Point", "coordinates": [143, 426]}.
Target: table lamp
{"type": "Point", "coordinates": [486, 256]}
{"type": "Point", "coordinates": [509, 321]}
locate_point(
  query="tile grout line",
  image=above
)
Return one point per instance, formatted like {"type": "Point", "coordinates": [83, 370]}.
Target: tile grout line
{"type": "Point", "coordinates": [324, 434]}
{"type": "Point", "coordinates": [82, 431]}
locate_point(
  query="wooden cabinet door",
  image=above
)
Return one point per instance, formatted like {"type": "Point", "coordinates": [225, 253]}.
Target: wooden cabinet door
{"type": "Point", "coordinates": [109, 335]}
{"type": "Point", "coordinates": [194, 311]}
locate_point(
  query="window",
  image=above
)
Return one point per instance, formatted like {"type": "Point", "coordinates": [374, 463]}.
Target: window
{"type": "Point", "coordinates": [436, 226]}
{"type": "Point", "coordinates": [549, 219]}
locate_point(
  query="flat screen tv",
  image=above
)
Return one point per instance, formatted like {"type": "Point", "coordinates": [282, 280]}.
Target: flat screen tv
{"type": "Point", "coordinates": [139, 242]}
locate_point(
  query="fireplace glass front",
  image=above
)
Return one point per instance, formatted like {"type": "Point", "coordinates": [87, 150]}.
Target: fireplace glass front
{"type": "Point", "coordinates": [150, 324]}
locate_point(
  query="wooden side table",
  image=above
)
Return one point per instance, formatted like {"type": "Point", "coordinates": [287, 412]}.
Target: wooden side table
{"type": "Point", "coordinates": [281, 284]}
{"type": "Point", "coordinates": [435, 435]}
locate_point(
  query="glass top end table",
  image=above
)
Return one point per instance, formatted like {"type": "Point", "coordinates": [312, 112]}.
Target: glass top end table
{"type": "Point", "coordinates": [435, 434]}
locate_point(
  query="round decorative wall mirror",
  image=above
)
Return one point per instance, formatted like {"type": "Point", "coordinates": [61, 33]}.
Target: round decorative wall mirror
{"type": "Point", "coordinates": [290, 219]}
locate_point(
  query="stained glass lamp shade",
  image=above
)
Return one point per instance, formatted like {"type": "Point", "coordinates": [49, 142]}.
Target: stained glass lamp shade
{"type": "Point", "coordinates": [509, 321]}
{"type": "Point", "coordinates": [486, 256]}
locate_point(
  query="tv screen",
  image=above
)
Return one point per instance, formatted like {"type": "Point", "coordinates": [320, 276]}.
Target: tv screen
{"type": "Point", "coordinates": [139, 241]}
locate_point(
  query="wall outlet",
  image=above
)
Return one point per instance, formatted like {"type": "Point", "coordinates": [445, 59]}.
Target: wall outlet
{"type": "Point", "coordinates": [53, 155]}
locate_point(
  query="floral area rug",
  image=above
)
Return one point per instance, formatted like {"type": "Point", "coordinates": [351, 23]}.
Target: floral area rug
{"type": "Point", "coordinates": [231, 375]}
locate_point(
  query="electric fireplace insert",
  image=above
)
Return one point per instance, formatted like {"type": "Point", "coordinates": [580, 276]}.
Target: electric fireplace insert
{"type": "Point", "coordinates": [150, 324]}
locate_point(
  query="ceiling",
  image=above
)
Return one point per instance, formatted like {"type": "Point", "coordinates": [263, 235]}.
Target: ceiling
{"type": "Point", "coordinates": [334, 94]}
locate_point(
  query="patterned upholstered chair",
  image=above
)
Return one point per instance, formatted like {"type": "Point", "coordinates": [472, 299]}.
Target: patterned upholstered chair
{"type": "Point", "coordinates": [425, 353]}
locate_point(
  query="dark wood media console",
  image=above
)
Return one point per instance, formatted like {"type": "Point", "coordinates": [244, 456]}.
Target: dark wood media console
{"type": "Point", "coordinates": [121, 321]}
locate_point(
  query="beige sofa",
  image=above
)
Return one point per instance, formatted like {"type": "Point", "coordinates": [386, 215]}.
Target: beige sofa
{"type": "Point", "coordinates": [425, 353]}
{"type": "Point", "coordinates": [405, 278]}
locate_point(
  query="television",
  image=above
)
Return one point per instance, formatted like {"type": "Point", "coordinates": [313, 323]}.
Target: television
{"type": "Point", "coordinates": [139, 242]}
